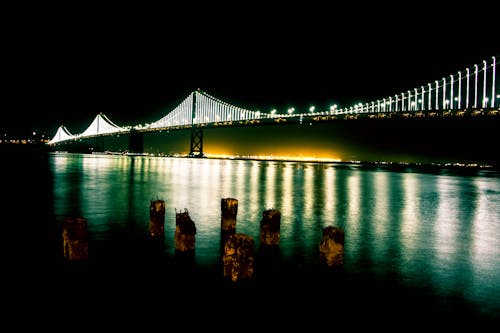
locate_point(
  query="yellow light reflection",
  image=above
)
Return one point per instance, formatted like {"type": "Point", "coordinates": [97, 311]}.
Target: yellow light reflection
{"type": "Point", "coordinates": [308, 193]}
{"type": "Point", "coordinates": [254, 195]}
{"type": "Point", "coordinates": [329, 197]}
{"type": "Point", "coordinates": [226, 179]}
{"type": "Point", "coordinates": [270, 194]}
{"type": "Point", "coordinates": [239, 187]}
{"type": "Point", "coordinates": [308, 199]}
{"type": "Point", "coordinates": [287, 191]}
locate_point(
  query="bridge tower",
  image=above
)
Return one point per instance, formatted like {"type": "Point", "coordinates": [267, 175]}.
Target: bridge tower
{"type": "Point", "coordinates": [196, 149]}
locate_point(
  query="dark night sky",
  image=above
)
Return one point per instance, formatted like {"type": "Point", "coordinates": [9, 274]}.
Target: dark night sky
{"type": "Point", "coordinates": [65, 65]}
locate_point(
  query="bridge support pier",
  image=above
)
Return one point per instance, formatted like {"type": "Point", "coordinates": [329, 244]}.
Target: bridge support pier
{"type": "Point", "coordinates": [99, 144]}
{"type": "Point", "coordinates": [196, 149]}
{"type": "Point", "coordinates": [136, 142]}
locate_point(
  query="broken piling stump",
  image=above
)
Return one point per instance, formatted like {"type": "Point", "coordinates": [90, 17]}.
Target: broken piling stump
{"type": "Point", "coordinates": [331, 247]}
{"type": "Point", "coordinates": [238, 257]}
{"type": "Point", "coordinates": [185, 231]}
{"type": "Point", "coordinates": [75, 239]}
{"type": "Point", "coordinates": [157, 218]}
{"type": "Point", "coordinates": [270, 227]}
{"type": "Point", "coordinates": [229, 210]}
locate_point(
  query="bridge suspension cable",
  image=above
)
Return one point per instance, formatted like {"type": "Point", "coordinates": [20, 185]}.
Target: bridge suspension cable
{"type": "Point", "coordinates": [475, 87]}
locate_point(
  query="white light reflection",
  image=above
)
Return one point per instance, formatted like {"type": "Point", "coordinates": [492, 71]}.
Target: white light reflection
{"type": "Point", "coordinates": [308, 199]}
{"type": "Point", "coordinates": [445, 232]}
{"type": "Point", "coordinates": [270, 200]}
{"type": "Point", "coordinates": [94, 163]}
{"type": "Point", "coordinates": [485, 235]}
{"type": "Point", "coordinates": [254, 197]}
{"type": "Point", "coordinates": [239, 189]}
{"type": "Point", "coordinates": [208, 173]}
{"type": "Point", "coordinates": [226, 179]}
{"type": "Point", "coordinates": [354, 197]}
{"type": "Point", "coordinates": [95, 192]}
{"type": "Point", "coordinates": [308, 193]}
{"type": "Point", "coordinates": [381, 216]}
{"type": "Point", "coordinates": [410, 217]}
{"type": "Point", "coordinates": [329, 197]}
{"type": "Point", "coordinates": [61, 163]}
{"type": "Point", "coordinates": [287, 191]}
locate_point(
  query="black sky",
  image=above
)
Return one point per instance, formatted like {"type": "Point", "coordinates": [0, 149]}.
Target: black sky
{"type": "Point", "coordinates": [65, 65]}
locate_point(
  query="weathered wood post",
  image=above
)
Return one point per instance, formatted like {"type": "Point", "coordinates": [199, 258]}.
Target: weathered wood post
{"type": "Point", "coordinates": [229, 210]}
{"type": "Point", "coordinates": [157, 218]}
{"type": "Point", "coordinates": [270, 227]}
{"type": "Point", "coordinates": [331, 247]}
{"type": "Point", "coordinates": [75, 239]}
{"type": "Point", "coordinates": [185, 231]}
{"type": "Point", "coordinates": [238, 257]}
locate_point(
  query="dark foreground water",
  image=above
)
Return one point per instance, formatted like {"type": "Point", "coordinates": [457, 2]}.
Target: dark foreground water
{"type": "Point", "coordinates": [422, 246]}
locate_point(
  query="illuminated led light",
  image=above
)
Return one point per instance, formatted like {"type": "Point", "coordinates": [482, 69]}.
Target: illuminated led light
{"type": "Point", "coordinates": [459, 90]}
{"type": "Point", "coordinates": [484, 85]}
{"type": "Point", "coordinates": [493, 83]}
{"type": "Point", "coordinates": [444, 93]}
{"type": "Point", "coordinates": [475, 85]}
{"type": "Point", "coordinates": [467, 89]}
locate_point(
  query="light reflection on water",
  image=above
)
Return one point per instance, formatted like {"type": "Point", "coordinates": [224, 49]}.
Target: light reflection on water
{"type": "Point", "coordinates": [428, 229]}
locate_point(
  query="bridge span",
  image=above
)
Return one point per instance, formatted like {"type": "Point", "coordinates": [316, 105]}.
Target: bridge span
{"type": "Point", "coordinates": [469, 93]}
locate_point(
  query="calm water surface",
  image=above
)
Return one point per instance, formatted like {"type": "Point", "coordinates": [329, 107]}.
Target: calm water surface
{"type": "Point", "coordinates": [437, 230]}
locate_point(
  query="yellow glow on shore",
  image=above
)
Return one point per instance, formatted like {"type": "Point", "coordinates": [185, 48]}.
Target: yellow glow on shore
{"type": "Point", "coordinates": [275, 158]}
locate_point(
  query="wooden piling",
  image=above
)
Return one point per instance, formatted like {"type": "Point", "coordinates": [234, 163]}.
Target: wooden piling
{"type": "Point", "coordinates": [238, 257]}
{"type": "Point", "coordinates": [229, 210]}
{"type": "Point", "coordinates": [270, 227]}
{"type": "Point", "coordinates": [157, 218]}
{"type": "Point", "coordinates": [75, 239]}
{"type": "Point", "coordinates": [185, 231]}
{"type": "Point", "coordinates": [331, 247]}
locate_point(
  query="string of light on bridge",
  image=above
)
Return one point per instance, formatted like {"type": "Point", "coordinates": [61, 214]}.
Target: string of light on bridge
{"type": "Point", "coordinates": [474, 88]}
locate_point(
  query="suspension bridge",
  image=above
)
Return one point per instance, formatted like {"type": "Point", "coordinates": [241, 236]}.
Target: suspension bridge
{"type": "Point", "coordinates": [470, 92]}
